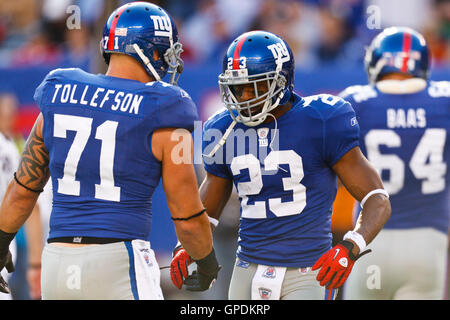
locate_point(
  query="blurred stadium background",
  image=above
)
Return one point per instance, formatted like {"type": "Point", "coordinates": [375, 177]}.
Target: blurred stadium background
{"type": "Point", "coordinates": [327, 37]}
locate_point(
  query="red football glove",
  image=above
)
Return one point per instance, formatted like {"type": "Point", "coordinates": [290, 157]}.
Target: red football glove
{"type": "Point", "coordinates": [179, 266]}
{"type": "Point", "coordinates": [336, 264]}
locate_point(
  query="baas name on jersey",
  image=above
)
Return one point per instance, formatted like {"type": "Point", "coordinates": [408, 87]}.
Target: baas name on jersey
{"type": "Point", "coordinates": [401, 118]}
{"type": "Point", "coordinates": [118, 100]}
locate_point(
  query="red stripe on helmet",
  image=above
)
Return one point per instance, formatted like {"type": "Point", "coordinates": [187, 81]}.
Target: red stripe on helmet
{"type": "Point", "coordinates": [112, 30]}
{"type": "Point", "coordinates": [237, 52]}
{"type": "Point", "coordinates": [406, 49]}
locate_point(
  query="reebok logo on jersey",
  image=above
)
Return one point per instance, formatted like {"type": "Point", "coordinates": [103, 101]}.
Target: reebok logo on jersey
{"type": "Point", "coordinates": [343, 262]}
{"type": "Point", "coordinates": [77, 239]}
{"type": "Point", "coordinates": [243, 264]}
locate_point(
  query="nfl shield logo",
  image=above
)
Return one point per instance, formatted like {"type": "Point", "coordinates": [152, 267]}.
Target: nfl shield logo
{"type": "Point", "coordinates": [147, 259]}
{"type": "Point", "coordinates": [304, 270]}
{"type": "Point", "coordinates": [265, 293]}
{"type": "Point", "coordinates": [262, 137]}
{"type": "Point", "coordinates": [121, 32]}
{"type": "Point", "coordinates": [263, 133]}
{"type": "Point", "coordinates": [270, 273]}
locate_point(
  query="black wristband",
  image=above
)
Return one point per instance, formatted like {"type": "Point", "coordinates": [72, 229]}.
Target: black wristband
{"type": "Point", "coordinates": [208, 264]}
{"type": "Point", "coordinates": [349, 245]}
{"type": "Point", "coordinates": [24, 186]}
{"type": "Point", "coordinates": [5, 240]}
{"type": "Point", "coordinates": [190, 217]}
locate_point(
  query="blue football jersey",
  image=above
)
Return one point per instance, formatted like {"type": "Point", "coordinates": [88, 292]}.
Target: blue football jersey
{"type": "Point", "coordinates": [283, 174]}
{"type": "Point", "coordinates": [407, 139]}
{"type": "Point", "coordinates": [97, 130]}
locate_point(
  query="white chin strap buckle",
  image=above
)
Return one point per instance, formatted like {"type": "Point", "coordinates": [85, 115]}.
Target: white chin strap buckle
{"type": "Point", "coordinates": [146, 62]}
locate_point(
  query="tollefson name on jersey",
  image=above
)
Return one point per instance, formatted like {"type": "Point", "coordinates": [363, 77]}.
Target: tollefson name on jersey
{"type": "Point", "coordinates": [114, 99]}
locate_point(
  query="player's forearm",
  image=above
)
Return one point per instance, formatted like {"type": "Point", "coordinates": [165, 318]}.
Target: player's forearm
{"type": "Point", "coordinates": [33, 227]}
{"type": "Point", "coordinates": [376, 212]}
{"type": "Point", "coordinates": [214, 194]}
{"type": "Point", "coordinates": [16, 207]}
{"type": "Point", "coordinates": [195, 236]}
{"type": "Point", "coordinates": [212, 211]}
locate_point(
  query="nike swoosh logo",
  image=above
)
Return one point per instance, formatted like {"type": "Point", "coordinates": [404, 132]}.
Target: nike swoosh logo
{"type": "Point", "coordinates": [337, 252]}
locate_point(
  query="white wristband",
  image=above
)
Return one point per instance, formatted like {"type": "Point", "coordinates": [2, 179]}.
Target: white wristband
{"type": "Point", "coordinates": [357, 238]}
{"type": "Point", "coordinates": [371, 193]}
{"type": "Point", "coordinates": [213, 221]}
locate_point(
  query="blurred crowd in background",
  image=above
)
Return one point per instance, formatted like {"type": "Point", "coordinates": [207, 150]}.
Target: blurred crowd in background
{"type": "Point", "coordinates": [34, 32]}
{"type": "Point", "coordinates": [66, 33]}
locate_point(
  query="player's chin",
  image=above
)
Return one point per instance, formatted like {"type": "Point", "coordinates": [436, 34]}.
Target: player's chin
{"type": "Point", "coordinates": [253, 111]}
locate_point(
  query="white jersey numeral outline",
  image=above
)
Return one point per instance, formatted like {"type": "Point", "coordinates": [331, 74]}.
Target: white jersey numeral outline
{"type": "Point", "coordinates": [82, 126]}
{"type": "Point", "coordinates": [427, 163]}
{"type": "Point", "coordinates": [257, 210]}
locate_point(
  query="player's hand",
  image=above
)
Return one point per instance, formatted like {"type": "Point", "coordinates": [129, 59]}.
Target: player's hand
{"type": "Point", "coordinates": [5, 262]}
{"type": "Point", "coordinates": [206, 274]}
{"type": "Point", "coordinates": [336, 265]}
{"type": "Point", "coordinates": [179, 266]}
{"type": "Point", "coordinates": [34, 282]}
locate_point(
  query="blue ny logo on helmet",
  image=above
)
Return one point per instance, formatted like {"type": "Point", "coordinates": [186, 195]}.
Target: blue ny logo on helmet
{"type": "Point", "coordinates": [397, 50]}
{"type": "Point", "coordinates": [252, 58]}
{"type": "Point", "coordinates": [147, 33]}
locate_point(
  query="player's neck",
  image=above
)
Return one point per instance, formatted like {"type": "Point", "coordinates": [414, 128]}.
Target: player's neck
{"type": "Point", "coordinates": [279, 111]}
{"type": "Point", "coordinates": [122, 66]}
{"type": "Point", "coordinates": [395, 76]}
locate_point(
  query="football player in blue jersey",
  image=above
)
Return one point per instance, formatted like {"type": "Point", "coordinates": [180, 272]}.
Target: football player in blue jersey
{"type": "Point", "coordinates": [283, 152]}
{"type": "Point", "coordinates": [105, 141]}
{"type": "Point", "coordinates": [405, 133]}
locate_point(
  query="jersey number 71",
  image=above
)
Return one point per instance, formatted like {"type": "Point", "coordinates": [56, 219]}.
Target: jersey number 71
{"type": "Point", "coordinates": [106, 132]}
